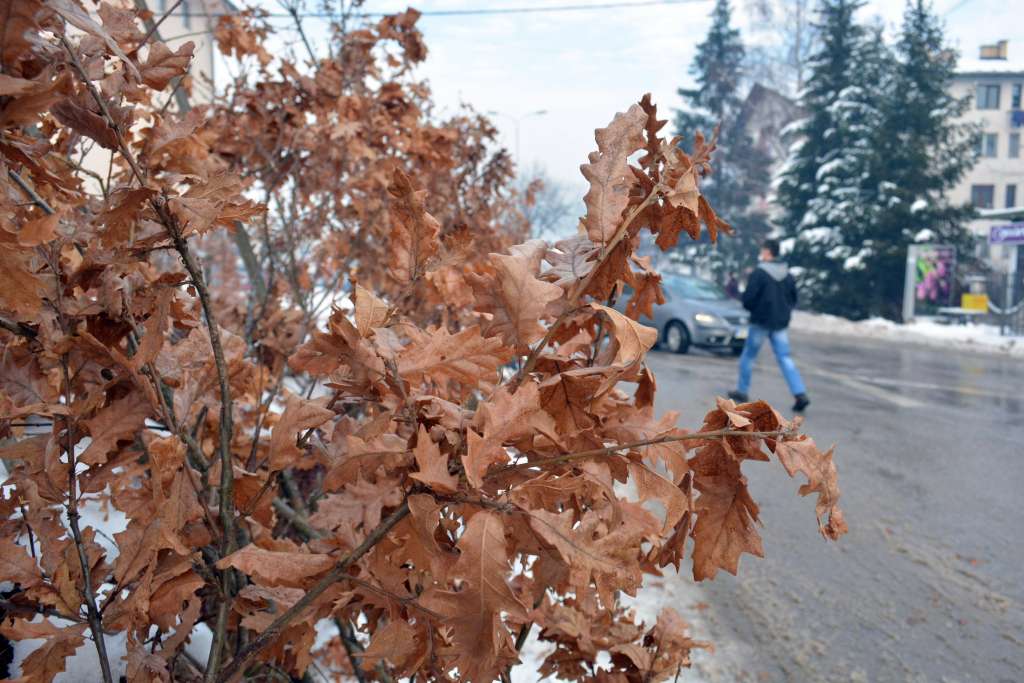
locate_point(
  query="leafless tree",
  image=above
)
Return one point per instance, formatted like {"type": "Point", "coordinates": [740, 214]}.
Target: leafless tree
{"type": "Point", "coordinates": [784, 40]}
{"type": "Point", "coordinates": [546, 203]}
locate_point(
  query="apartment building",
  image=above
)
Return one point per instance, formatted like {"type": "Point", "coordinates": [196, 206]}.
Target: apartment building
{"type": "Point", "coordinates": [995, 84]}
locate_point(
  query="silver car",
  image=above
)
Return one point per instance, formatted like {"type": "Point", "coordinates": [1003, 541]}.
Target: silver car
{"type": "Point", "coordinates": [696, 312]}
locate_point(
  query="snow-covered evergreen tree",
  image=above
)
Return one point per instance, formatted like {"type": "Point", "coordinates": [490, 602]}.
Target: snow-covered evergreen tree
{"type": "Point", "coordinates": [924, 152]}
{"type": "Point", "coordinates": [873, 161]}
{"type": "Point", "coordinates": [740, 173]}
{"type": "Point", "coordinates": [828, 189]}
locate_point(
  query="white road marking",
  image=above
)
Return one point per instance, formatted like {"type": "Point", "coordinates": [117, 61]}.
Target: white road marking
{"type": "Point", "coordinates": [968, 391]}
{"type": "Point", "coordinates": [864, 388]}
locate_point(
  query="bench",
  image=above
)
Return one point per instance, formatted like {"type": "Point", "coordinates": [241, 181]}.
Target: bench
{"type": "Point", "coordinates": [956, 314]}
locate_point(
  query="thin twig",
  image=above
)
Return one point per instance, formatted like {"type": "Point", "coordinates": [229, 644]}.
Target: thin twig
{"type": "Point", "coordinates": [95, 620]}
{"type": "Point", "coordinates": [27, 189]}
{"type": "Point", "coordinates": [12, 607]}
{"type": "Point", "coordinates": [294, 11]}
{"type": "Point", "coordinates": [340, 571]}
{"type": "Point", "coordinates": [17, 328]}
{"type": "Point", "coordinates": [581, 455]}
{"type": "Point", "coordinates": [102, 104]}
{"type": "Point", "coordinates": [352, 647]}
{"type": "Point", "coordinates": [28, 527]}
{"type": "Point", "coordinates": [153, 26]}
{"type": "Point", "coordinates": [226, 488]}
{"type": "Point", "coordinates": [297, 520]}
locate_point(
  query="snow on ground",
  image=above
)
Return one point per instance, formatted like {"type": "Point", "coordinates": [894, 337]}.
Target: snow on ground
{"type": "Point", "coordinates": [675, 590]}
{"type": "Point", "coordinates": [974, 337]}
{"type": "Point", "coordinates": [679, 592]}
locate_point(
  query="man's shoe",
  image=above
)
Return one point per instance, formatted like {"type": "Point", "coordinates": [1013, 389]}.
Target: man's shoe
{"type": "Point", "coordinates": [739, 396]}
{"type": "Point", "coordinates": [801, 403]}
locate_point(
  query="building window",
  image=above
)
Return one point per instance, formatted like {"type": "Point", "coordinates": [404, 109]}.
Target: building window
{"type": "Point", "coordinates": [983, 196]}
{"type": "Point", "coordinates": [1014, 151]}
{"type": "Point", "coordinates": [1011, 196]}
{"type": "Point", "coordinates": [1015, 97]}
{"type": "Point", "coordinates": [988, 143]}
{"type": "Point", "coordinates": [186, 19]}
{"type": "Point", "coordinates": [988, 96]}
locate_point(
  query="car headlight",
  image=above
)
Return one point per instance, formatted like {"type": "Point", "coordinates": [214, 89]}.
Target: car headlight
{"type": "Point", "coordinates": [709, 320]}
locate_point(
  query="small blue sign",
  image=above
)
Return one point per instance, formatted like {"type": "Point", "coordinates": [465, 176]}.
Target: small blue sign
{"type": "Point", "coordinates": [1007, 234]}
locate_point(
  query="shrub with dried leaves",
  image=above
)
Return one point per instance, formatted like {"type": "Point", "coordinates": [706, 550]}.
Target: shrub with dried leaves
{"type": "Point", "coordinates": [438, 471]}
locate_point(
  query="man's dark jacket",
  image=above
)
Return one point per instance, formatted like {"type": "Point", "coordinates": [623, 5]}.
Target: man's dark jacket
{"type": "Point", "coordinates": [770, 295]}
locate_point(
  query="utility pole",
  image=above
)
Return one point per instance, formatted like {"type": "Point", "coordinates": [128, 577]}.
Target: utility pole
{"type": "Point", "coordinates": [517, 120]}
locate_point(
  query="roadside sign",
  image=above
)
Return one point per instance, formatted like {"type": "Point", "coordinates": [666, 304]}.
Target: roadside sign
{"type": "Point", "coordinates": [1007, 234]}
{"type": "Point", "coordinates": [974, 302]}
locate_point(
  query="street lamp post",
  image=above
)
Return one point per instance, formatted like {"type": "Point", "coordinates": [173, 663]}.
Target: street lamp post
{"type": "Point", "coordinates": [516, 120]}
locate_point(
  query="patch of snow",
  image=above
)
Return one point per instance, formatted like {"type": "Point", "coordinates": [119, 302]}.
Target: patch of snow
{"type": "Point", "coordinates": [919, 205]}
{"type": "Point", "coordinates": [817, 235]}
{"type": "Point", "coordinates": [972, 337]}
{"type": "Point", "coordinates": [199, 643]}
{"type": "Point", "coordinates": [989, 66]}
{"type": "Point", "coordinates": [794, 126]}
{"type": "Point", "coordinates": [84, 664]}
{"type": "Point", "coordinates": [830, 167]}
{"type": "Point", "coordinates": [925, 235]}
{"type": "Point", "coordinates": [678, 591]}
{"type": "Point", "coordinates": [855, 262]}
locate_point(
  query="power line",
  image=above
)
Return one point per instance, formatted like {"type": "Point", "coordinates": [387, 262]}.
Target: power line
{"type": "Point", "coordinates": [472, 11]}
{"type": "Point", "coordinates": [955, 7]}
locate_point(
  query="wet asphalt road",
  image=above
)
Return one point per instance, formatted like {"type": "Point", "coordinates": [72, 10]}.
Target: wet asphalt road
{"type": "Point", "coordinates": [929, 583]}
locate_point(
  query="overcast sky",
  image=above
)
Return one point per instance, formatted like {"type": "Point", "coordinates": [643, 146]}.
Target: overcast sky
{"type": "Point", "coordinates": [583, 66]}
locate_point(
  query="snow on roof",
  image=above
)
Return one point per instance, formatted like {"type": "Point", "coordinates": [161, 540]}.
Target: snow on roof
{"type": "Point", "coordinates": [1001, 214]}
{"type": "Point", "coordinates": [989, 66]}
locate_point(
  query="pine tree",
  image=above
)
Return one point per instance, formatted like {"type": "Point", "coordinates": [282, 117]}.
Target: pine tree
{"type": "Point", "coordinates": [718, 69]}
{"type": "Point", "coordinates": [925, 151]}
{"type": "Point", "coordinates": [829, 188]}
{"type": "Point", "coordinates": [740, 170]}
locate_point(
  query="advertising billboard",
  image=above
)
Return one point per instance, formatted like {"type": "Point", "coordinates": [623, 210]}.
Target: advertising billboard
{"type": "Point", "coordinates": [930, 279]}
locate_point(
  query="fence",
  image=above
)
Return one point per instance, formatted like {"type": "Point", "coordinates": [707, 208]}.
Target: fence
{"type": "Point", "coordinates": [1006, 302]}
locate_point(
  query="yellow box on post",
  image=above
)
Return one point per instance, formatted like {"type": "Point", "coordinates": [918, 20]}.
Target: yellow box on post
{"type": "Point", "coordinates": [974, 302]}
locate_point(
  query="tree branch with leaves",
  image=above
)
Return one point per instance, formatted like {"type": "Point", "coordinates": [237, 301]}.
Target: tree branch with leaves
{"type": "Point", "coordinates": [430, 466]}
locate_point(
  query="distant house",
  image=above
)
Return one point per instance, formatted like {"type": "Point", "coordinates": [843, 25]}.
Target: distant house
{"type": "Point", "coordinates": [996, 183]}
{"type": "Point", "coordinates": [193, 20]}
{"type": "Point", "coordinates": [763, 117]}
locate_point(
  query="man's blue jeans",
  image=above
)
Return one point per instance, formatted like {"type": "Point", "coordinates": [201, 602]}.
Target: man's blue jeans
{"type": "Point", "coordinates": [780, 345]}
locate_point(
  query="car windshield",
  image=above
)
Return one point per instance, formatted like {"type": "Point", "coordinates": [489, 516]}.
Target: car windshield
{"type": "Point", "coordinates": [694, 288]}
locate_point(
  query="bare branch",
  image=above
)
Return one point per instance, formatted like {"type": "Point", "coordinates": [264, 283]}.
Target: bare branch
{"type": "Point", "coordinates": [226, 489]}
{"type": "Point", "coordinates": [27, 189]}
{"type": "Point", "coordinates": [17, 328]}
{"type": "Point", "coordinates": [339, 572]}
{"type": "Point", "coordinates": [89, 595]}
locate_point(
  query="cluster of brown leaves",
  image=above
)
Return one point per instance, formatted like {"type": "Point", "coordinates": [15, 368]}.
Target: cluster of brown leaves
{"type": "Point", "coordinates": [456, 487]}
{"type": "Point", "coordinates": [319, 146]}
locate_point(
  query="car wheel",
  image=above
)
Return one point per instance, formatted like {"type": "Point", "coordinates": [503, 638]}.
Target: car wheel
{"type": "Point", "coordinates": [677, 337]}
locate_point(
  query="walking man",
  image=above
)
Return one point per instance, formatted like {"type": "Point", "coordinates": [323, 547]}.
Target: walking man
{"type": "Point", "coordinates": [770, 297]}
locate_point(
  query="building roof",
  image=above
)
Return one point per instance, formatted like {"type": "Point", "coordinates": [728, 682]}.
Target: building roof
{"type": "Point", "coordinates": [989, 67]}
{"type": "Point", "coordinates": [760, 97]}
